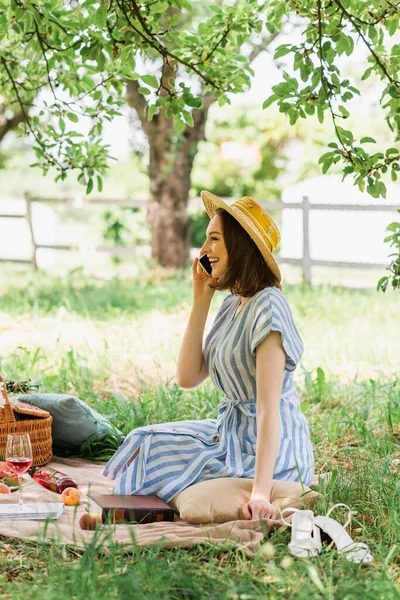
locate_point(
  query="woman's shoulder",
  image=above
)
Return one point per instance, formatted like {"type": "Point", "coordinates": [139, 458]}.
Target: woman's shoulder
{"type": "Point", "coordinates": [270, 296]}
{"type": "Point", "coordinates": [228, 299]}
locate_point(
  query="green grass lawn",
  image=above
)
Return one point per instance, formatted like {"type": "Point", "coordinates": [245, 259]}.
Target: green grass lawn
{"type": "Point", "coordinates": [115, 344]}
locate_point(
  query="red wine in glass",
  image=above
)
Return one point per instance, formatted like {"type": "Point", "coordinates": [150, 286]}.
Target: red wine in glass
{"type": "Point", "coordinates": [19, 457]}
{"type": "Point", "coordinates": [19, 465]}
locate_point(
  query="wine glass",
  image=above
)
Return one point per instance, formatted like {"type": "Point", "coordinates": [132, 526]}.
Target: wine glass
{"type": "Point", "coordinates": [19, 457]}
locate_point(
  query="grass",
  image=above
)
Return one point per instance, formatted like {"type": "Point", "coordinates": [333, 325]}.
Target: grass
{"type": "Point", "coordinates": [115, 343]}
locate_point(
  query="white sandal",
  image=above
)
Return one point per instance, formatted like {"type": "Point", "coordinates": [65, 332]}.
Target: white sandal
{"type": "Point", "coordinates": [354, 551]}
{"type": "Point", "coordinates": [306, 537]}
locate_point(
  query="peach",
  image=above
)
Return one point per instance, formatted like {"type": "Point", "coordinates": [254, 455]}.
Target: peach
{"type": "Point", "coordinates": [90, 521]}
{"type": "Point", "coordinates": [4, 489]}
{"type": "Point", "coordinates": [71, 496]}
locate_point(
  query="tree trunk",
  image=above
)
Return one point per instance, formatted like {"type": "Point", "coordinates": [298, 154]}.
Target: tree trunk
{"type": "Point", "coordinates": [167, 210]}
{"type": "Point", "coordinates": [171, 162]}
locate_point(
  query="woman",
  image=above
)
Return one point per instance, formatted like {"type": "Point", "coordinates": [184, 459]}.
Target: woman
{"type": "Point", "coordinates": [250, 354]}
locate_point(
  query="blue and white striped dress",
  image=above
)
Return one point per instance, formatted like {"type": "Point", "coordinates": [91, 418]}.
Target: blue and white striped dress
{"type": "Point", "coordinates": [176, 455]}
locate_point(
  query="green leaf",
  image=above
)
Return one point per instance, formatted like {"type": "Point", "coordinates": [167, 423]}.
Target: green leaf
{"type": "Point", "coordinates": [159, 7]}
{"type": "Point", "coordinates": [145, 91]}
{"type": "Point", "coordinates": [345, 135]}
{"type": "Point", "coordinates": [185, 4]}
{"type": "Point", "coordinates": [392, 151]}
{"type": "Point", "coordinates": [152, 110]}
{"type": "Point", "coordinates": [179, 125]}
{"type": "Point", "coordinates": [393, 227]}
{"type": "Point", "coordinates": [73, 117]}
{"type": "Point", "coordinates": [325, 156]}
{"type": "Point", "coordinates": [344, 111]}
{"type": "Point", "coordinates": [101, 16]}
{"type": "Point", "coordinates": [327, 165]}
{"type": "Point", "coordinates": [194, 102]}
{"type": "Point", "coordinates": [282, 50]}
{"type": "Point", "coordinates": [188, 118]}
{"type": "Point", "coordinates": [99, 183]}
{"type": "Point", "coordinates": [367, 139]}
{"type": "Point", "coordinates": [150, 80]}
{"type": "Point", "coordinates": [367, 73]}
{"type": "Point", "coordinates": [310, 109]}
{"type": "Point", "coordinates": [270, 26]}
{"type": "Point", "coordinates": [89, 186]}
{"type": "Point", "coordinates": [382, 284]}
{"type": "Point", "coordinates": [270, 101]}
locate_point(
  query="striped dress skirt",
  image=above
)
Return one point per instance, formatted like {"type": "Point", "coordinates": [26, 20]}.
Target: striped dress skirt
{"type": "Point", "coordinates": [164, 459]}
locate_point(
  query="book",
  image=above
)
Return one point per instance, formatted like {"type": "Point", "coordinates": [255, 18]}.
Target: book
{"type": "Point", "coordinates": [131, 509]}
{"type": "Point", "coordinates": [34, 511]}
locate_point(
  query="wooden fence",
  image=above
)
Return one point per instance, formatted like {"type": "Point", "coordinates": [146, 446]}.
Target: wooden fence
{"type": "Point", "coordinates": [306, 262]}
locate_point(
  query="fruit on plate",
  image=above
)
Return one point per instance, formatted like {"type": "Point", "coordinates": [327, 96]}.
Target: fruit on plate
{"type": "Point", "coordinates": [11, 480]}
{"type": "Point", "coordinates": [4, 489]}
{"type": "Point", "coordinates": [89, 521]}
{"type": "Point", "coordinates": [71, 496]}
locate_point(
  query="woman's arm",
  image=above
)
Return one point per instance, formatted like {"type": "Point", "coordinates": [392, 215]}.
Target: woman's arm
{"type": "Point", "coordinates": [191, 369]}
{"type": "Point", "coordinates": [270, 368]}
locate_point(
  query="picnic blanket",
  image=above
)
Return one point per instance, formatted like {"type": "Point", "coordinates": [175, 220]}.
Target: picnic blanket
{"type": "Point", "coordinates": [244, 535]}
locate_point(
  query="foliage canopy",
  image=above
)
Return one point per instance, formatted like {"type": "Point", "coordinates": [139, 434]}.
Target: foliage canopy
{"type": "Point", "coordinates": [83, 51]}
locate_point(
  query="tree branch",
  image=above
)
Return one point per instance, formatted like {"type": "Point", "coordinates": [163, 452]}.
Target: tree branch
{"type": "Point", "coordinates": [7, 125]}
{"type": "Point", "coordinates": [263, 46]}
{"type": "Point", "coordinates": [151, 40]}
{"type": "Point", "coordinates": [378, 61]}
{"type": "Point", "coordinates": [325, 83]}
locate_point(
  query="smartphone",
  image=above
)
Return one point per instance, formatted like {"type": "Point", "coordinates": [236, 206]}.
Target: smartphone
{"type": "Point", "coordinates": [205, 263]}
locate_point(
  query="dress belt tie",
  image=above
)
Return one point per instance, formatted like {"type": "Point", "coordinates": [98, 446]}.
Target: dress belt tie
{"type": "Point", "coordinates": [229, 404]}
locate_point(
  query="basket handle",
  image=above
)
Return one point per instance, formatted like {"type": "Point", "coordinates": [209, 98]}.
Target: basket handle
{"type": "Point", "coordinates": [6, 412]}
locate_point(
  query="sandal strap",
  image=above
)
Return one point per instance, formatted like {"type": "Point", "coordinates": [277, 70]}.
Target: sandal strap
{"type": "Point", "coordinates": [281, 512]}
{"type": "Point", "coordinates": [288, 508]}
{"type": "Point", "coordinates": [350, 514]}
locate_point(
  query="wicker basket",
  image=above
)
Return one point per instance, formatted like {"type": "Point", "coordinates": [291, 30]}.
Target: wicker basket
{"type": "Point", "coordinates": [33, 420]}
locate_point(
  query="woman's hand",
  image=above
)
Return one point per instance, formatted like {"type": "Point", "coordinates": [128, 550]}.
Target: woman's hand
{"type": "Point", "coordinates": [201, 281]}
{"type": "Point", "coordinates": [259, 507]}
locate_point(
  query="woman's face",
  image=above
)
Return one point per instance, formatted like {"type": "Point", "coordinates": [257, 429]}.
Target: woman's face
{"type": "Point", "coordinates": [215, 248]}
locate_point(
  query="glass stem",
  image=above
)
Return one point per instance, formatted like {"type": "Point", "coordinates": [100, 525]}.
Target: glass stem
{"type": "Point", "coordinates": [20, 503]}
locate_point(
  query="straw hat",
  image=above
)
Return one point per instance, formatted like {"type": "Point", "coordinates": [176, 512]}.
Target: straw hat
{"type": "Point", "coordinates": [255, 220]}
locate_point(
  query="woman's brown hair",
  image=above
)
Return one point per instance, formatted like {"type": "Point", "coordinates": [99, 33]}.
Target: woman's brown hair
{"type": "Point", "coordinates": [247, 271]}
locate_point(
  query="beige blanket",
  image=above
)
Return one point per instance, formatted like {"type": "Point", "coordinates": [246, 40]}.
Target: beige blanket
{"type": "Point", "coordinates": [245, 535]}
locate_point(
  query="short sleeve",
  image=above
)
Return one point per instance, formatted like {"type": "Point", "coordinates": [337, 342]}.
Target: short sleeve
{"type": "Point", "coordinates": [272, 313]}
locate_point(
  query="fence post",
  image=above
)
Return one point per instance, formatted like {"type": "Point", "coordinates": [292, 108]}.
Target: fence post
{"type": "Point", "coordinates": [30, 225]}
{"type": "Point", "coordinates": [306, 262]}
